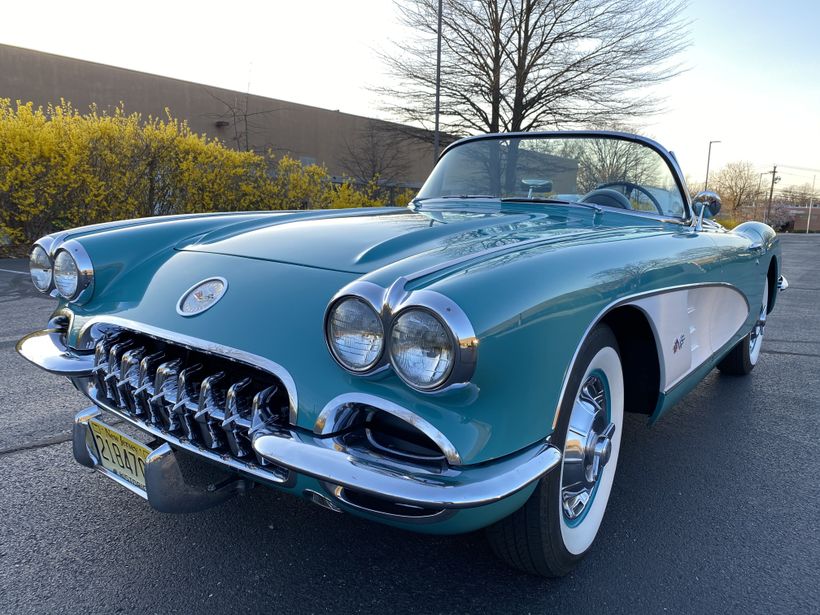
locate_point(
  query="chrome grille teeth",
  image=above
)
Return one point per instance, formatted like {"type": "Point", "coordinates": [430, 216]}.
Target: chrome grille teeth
{"type": "Point", "coordinates": [129, 377]}
{"type": "Point", "coordinates": [261, 417]}
{"type": "Point", "coordinates": [112, 379]}
{"type": "Point", "coordinates": [100, 370]}
{"type": "Point", "coordinates": [145, 390]}
{"type": "Point", "coordinates": [211, 414]}
{"type": "Point", "coordinates": [171, 390]}
{"type": "Point", "coordinates": [165, 383]}
{"type": "Point", "coordinates": [186, 390]}
{"type": "Point", "coordinates": [238, 418]}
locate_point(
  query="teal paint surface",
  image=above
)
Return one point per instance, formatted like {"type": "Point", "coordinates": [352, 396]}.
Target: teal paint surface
{"type": "Point", "coordinates": [530, 307]}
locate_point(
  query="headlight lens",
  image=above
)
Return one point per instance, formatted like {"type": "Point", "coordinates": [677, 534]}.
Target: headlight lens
{"type": "Point", "coordinates": [421, 349]}
{"type": "Point", "coordinates": [66, 275]}
{"type": "Point", "coordinates": [41, 269]}
{"type": "Point", "coordinates": [355, 334]}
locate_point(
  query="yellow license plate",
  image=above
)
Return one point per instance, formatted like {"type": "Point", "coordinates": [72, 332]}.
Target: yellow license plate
{"type": "Point", "coordinates": [120, 454]}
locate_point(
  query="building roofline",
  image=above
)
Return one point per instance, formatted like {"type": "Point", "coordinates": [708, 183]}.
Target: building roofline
{"type": "Point", "coordinates": [207, 86]}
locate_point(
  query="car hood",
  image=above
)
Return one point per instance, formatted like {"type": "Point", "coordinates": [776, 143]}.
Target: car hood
{"type": "Point", "coordinates": [360, 241]}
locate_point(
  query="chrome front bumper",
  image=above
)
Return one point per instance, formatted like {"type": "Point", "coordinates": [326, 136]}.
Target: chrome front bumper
{"type": "Point", "coordinates": [456, 487]}
{"type": "Point", "coordinates": [324, 458]}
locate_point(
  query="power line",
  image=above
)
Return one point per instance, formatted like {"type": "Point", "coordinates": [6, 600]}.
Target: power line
{"type": "Point", "coordinates": [791, 166]}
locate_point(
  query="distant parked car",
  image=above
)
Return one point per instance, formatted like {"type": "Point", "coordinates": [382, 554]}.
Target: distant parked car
{"type": "Point", "coordinates": [463, 363]}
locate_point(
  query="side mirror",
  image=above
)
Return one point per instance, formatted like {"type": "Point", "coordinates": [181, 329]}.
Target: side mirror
{"type": "Point", "coordinates": [706, 204]}
{"type": "Point", "coordinates": [537, 185]}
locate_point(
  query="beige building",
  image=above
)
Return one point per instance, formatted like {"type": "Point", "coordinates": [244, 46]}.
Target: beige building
{"type": "Point", "coordinates": [348, 145]}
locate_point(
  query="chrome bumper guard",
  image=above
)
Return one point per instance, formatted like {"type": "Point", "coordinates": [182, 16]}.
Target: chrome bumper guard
{"type": "Point", "coordinates": [324, 458]}
{"type": "Point", "coordinates": [173, 483]}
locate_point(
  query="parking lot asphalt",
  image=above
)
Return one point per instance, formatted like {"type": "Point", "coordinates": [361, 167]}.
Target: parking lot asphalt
{"type": "Point", "coordinates": [714, 509]}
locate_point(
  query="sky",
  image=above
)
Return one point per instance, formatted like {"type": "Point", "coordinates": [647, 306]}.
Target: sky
{"type": "Point", "coordinates": [752, 79]}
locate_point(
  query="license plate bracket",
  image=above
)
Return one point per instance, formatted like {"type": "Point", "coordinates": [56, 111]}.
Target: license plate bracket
{"type": "Point", "coordinates": [119, 454]}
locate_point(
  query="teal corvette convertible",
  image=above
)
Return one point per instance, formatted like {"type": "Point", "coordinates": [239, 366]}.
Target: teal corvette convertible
{"type": "Point", "coordinates": [463, 363]}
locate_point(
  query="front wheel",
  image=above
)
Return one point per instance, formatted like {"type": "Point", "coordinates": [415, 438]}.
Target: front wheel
{"type": "Point", "coordinates": [552, 532]}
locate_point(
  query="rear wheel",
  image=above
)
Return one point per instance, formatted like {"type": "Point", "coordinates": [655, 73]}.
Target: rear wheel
{"type": "Point", "coordinates": [746, 353]}
{"type": "Point", "coordinates": [556, 527]}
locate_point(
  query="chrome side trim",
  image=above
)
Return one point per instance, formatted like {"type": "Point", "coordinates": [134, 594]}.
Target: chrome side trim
{"type": "Point", "coordinates": [618, 303]}
{"type": "Point", "coordinates": [86, 337]}
{"type": "Point", "coordinates": [337, 411]}
{"type": "Point", "coordinates": [331, 462]}
{"type": "Point", "coordinates": [46, 350]}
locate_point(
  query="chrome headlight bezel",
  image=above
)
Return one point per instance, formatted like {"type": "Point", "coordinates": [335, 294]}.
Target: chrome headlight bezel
{"type": "Point", "coordinates": [394, 359]}
{"type": "Point", "coordinates": [390, 304]}
{"type": "Point", "coordinates": [44, 250]}
{"type": "Point", "coordinates": [85, 271]}
{"type": "Point", "coordinates": [378, 359]}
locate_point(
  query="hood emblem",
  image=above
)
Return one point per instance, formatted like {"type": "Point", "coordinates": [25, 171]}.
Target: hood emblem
{"type": "Point", "coordinates": [201, 296]}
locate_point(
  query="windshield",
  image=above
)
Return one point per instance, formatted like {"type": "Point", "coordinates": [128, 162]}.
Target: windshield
{"type": "Point", "coordinates": [596, 170]}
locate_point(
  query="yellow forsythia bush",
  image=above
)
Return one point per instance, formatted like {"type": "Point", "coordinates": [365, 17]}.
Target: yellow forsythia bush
{"type": "Point", "coordinates": [60, 168]}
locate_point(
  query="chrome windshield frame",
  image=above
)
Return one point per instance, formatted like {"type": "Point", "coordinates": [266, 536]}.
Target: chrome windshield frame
{"type": "Point", "coordinates": [667, 156]}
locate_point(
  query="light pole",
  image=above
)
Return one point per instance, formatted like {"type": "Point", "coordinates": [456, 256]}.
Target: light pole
{"type": "Point", "coordinates": [708, 160]}
{"type": "Point", "coordinates": [436, 136]}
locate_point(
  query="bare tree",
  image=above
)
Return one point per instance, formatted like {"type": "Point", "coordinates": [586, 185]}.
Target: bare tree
{"type": "Point", "coordinates": [798, 196]}
{"type": "Point", "coordinates": [609, 160]}
{"type": "Point", "coordinates": [737, 183]}
{"type": "Point", "coordinates": [242, 122]}
{"type": "Point", "coordinates": [517, 65]}
{"type": "Point", "coordinates": [377, 152]}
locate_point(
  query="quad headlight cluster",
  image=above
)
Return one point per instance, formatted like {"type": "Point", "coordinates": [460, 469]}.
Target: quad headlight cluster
{"type": "Point", "coordinates": [69, 273]}
{"type": "Point", "coordinates": [416, 340]}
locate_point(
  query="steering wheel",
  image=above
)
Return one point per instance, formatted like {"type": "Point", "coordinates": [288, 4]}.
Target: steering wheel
{"type": "Point", "coordinates": [629, 187]}
{"type": "Point", "coordinates": [607, 197]}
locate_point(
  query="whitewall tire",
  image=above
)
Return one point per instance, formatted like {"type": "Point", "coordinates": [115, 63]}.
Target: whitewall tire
{"type": "Point", "coordinates": [557, 526]}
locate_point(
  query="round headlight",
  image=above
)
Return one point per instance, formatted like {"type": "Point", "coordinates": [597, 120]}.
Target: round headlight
{"type": "Point", "coordinates": [355, 334]}
{"type": "Point", "coordinates": [39, 265]}
{"type": "Point", "coordinates": [421, 349]}
{"type": "Point", "coordinates": [66, 275]}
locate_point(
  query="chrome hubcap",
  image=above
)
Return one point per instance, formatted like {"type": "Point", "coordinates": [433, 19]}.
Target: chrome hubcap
{"type": "Point", "coordinates": [588, 447]}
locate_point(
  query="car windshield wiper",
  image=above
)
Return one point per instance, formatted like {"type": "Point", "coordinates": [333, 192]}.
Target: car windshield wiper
{"type": "Point", "coordinates": [535, 199]}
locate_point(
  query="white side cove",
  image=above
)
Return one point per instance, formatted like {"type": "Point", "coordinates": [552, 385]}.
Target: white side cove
{"type": "Point", "coordinates": [691, 324]}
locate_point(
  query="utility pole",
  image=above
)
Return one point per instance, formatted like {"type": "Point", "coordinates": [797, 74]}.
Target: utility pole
{"type": "Point", "coordinates": [771, 193]}
{"type": "Point", "coordinates": [757, 194]}
{"type": "Point", "coordinates": [708, 160]}
{"type": "Point", "coordinates": [436, 136]}
{"type": "Point", "coordinates": [811, 203]}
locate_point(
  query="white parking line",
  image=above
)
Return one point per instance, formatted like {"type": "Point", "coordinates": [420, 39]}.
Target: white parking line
{"type": "Point", "coordinates": [17, 272]}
